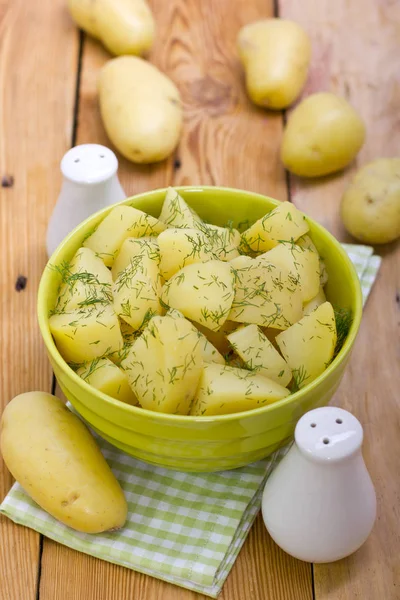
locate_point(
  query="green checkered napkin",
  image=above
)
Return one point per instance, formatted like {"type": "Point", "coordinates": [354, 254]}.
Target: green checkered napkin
{"type": "Point", "coordinates": [184, 528]}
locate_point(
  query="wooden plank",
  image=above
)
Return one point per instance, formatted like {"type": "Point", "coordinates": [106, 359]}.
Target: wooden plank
{"type": "Point", "coordinates": [355, 50]}
{"type": "Point", "coordinates": [36, 110]}
{"type": "Point", "coordinates": [227, 142]}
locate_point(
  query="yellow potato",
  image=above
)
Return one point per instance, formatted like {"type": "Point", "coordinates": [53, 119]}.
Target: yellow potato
{"type": "Point", "coordinates": [106, 377]}
{"type": "Point", "coordinates": [141, 109]}
{"type": "Point", "coordinates": [306, 242]}
{"type": "Point", "coordinates": [82, 335]}
{"type": "Point", "coordinates": [85, 281]}
{"type": "Point", "coordinates": [164, 365]}
{"type": "Point", "coordinates": [283, 223]}
{"type": "Point", "coordinates": [225, 241]}
{"type": "Point", "coordinates": [223, 390]}
{"type": "Point", "coordinates": [123, 26]}
{"type": "Point", "coordinates": [176, 212]}
{"type": "Point", "coordinates": [265, 296]}
{"type": "Point", "coordinates": [218, 339]}
{"type": "Point", "coordinates": [203, 292]}
{"type": "Point", "coordinates": [309, 345]}
{"type": "Point", "coordinates": [182, 247]}
{"type": "Point", "coordinates": [258, 354]}
{"type": "Point", "coordinates": [323, 135]}
{"type": "Point", "coordinates": [53, 456]}
{"type": "Point", "coordinates": [121, 223]}
{"type": "Point", "coordinates": [371, 204]}
{"type": "Point", "coordinates": [312, 304]}
{"type": "Point", "coordinates": [276, 55]}
{"type": "Point", "coordinates": [301, 264]}
{"type": "Point", "coordinates": [133, 247]}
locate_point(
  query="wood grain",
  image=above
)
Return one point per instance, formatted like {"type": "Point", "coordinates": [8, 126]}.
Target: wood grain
{"type": "Point", "coordinates": [355, 53]}
{"type": "Point", "coordinates": [36, 110]}
{"type": "Point", "coordinates": [227, 142]}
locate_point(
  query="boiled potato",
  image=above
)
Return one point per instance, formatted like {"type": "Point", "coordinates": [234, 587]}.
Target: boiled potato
{"type": "Point", "coordinates": [323, 135]}
{"type": "Point", "coordinates": [164, 365]}
{"type": "Point", "coordinates": [312, 304]}
{"type": "Point", "coordinates": [106, 377]}
{"type": "Point", "coordinates": [265, 296]}
{"type": "Point", "coordinates": [121, 223]}
{"type": "Point", "coordinates": [371, 204]}
{"type": "Point", "coordinates": [309, 345]}
{"type": "Point", "coordinates": [209, 352]}
{"type": "Point", "coordinates": [85, 281]}
{"type": "Point", "coordinates": [306, 242]}
{"type": "Point", "coordinates": [225, 241]}
{"type": "Point", "coordinates": [223, 390]}
{"type": "Point", "coordinates": [203, 292]}
{"type": "Point", "coordinates": [82, 335]}
{"type": "Point", "coordinates": [301, 264]}
{"type": "Point", "coordinates": [137, 290]}
{"type": "Point", "coordinates": [218, 339]}
{"type": "Point", "coordinates": [131, 249]}
{"type": "Point", "coordinates": [176, 212]}
{"type": "Point", "coordinates": [140, 108]}
{"type": "Point", "coordinates": [283, 223]}
{"type": "Point", "coordinates": [53, 456]}
{"type": "Point", "coordinates": [258, 354]}
{"type": "Point", "coordinates": [182, 247]}
{"type": "Point", "coordinates": [276, 55]}
{"type": "Point", "coordinates": [123, 26]}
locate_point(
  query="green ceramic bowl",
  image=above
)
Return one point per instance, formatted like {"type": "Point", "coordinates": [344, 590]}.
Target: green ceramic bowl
{"type": "Point", "coordinates": [206, 443]}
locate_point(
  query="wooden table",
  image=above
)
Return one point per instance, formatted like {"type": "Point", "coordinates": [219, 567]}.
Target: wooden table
{"type": "Point", "coordinates": [48, 102]}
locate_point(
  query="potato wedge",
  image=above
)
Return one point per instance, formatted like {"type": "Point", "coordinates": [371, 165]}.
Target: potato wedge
{"type": "Point", "coordinates": [203, 292]}
{"type": "Point", "coordinates": [306, 242]}
{"type": "Point", "coordinates": [181, 247]}
{"type": "Point", "coordinates": [164, 365]}
{"type": "Point", "coordinates": [225, 241]}
{"type": "Point", "coordinates": [265, 296]}
{"type": "Point", "coordinates": [83, 335]}
{"type": "Point", "coordinates": [258, 354]}
{"type": "Point", "coordinates": [312, 304]}
{"type": "Point", "coordinates": [121, 223]}
{"type": "Point", "coordinates": [309, 345]}
{"type": "Point", "coordinates": [133, 247]}
{"type": "Point", "coordinates": [283, 223]}
{"type": "Point", "coordinates": [176, 213]}
{"type": "Point", "coordinates": [225, 390]}
{"type": "Point", "coordinates": [106, 377]}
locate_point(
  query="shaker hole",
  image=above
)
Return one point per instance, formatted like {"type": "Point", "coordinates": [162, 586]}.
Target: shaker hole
{"type": "Point", "coordinates": [326, 440]}
{"type": "Point", "coordinates": [77, 160]}
{"type": "Point", "coordinates": [313, 425]}
{"type": "Point", "coordinates": [339, 421]}
{"type": "Point", "coordinates": [101, 155]}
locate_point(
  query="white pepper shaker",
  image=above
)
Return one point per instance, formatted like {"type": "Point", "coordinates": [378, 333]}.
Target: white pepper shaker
{"type": "Point", "coordinates": [90, 183]}
{"type": "Point", "coordinates": [319, 505]}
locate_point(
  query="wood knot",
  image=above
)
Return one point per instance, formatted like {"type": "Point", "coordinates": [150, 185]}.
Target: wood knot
{"type": "Point", "coordinates": [216, 97]}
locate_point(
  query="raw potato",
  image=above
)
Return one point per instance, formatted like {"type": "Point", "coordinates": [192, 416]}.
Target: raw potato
{"type": "Point", "coordinates": [371, 204]}
{"type": "Point", "coordinates": [83, 335]}
{"type": "Point", "coordinates": [210, 353]}
{"type": "Point", "coordinates": [258, 354]}
{"type": "Point", "coordinates": [283, 223]}
{"type": "Point", "coordinates": [141, 109]}
{"type": "Point", "coordinates": [53, 456]}
{"type": "Point", "coordinates": [106, 377]}
{"type": "Point", "coordinates": [265, 296]}
{"type": "Point", "coordinates": [203, 292]}
{"type": "Point", "coordinates": [276, 55]}
{"type": "Point", "coordinates": [123, 26]}
{"type": "Point", "coordinates": [323, 135]}
{"type": "Point", "coordinates": [309, 345]}
{"type": "Point", "coordinates": [85, 281]}
{"type": "Point", "coordinates": [176, 212]}
{"type": "Point", "coordinates": [301, 264]}
{"type": "Point", "coordinates": [224, 390]}
{"type": "Point", "coordinates": [319, 299]}
{"type": "Point", "coordinates": [121, 223]}
{"type": "Point", "coordinates": [133, 247]}
{"type": "Point", "coordinates": [182, 247]}
{"type": "Point", "coordinates": [164, 365]}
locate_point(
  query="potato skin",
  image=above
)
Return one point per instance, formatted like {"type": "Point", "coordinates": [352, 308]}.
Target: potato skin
{"type": "Point", "coordinates": [370, 207]}
{"type": "Point", "coordinates": [276, 55]}
{"type": "Point", "coordinates": [140, 108]}
{"type": "Point", "coordinates": [51, 453]}
{"type": "Point", "coordinates": [123, 26]}
{"type": "Point", "coordinates": [323, 135]}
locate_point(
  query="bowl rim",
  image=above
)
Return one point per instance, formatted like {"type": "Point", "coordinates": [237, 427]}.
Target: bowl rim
{"type": "Point", "coordinates": [171, 418]}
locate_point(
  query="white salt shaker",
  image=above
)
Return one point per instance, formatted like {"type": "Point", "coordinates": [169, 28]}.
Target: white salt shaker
{"type": "Point", "coordinates": [319, 505]}
{"type": "Point", "coordinates": [90, 183]}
